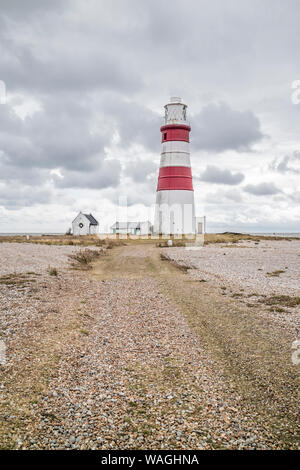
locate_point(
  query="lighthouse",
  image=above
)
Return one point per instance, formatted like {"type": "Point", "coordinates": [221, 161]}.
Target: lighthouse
{"type": "Point", "coordinates": [175, 207]}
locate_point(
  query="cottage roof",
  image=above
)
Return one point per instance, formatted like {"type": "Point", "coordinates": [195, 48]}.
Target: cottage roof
{"type": "Point", "coordinates": [92, 219]}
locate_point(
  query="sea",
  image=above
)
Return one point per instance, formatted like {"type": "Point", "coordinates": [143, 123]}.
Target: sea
{"type": "Point", "coordinates": [33, 234]}
{"type": "Point", "coordinates": [276, 234]}
{"type": "Point", "coordinates": [266, 234]}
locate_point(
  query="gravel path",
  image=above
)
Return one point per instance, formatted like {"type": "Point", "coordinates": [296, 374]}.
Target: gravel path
{"type": "Point", "coordinates": [109, 360]}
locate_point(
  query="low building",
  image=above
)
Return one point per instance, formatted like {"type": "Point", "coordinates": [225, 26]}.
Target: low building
{"type": "Point", "coordinates": [85, 224]}
{"type": "Point", "coordinates": [132, 228]}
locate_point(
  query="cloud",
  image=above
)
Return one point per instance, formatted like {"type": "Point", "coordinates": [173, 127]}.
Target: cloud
{"type": "Point", "coordinates": [18, 9]}
{"type": "Point", "coordinates": [26, 196]}
{"type": "Point", "coordinates": [218, 127]}
{"type": "Point", "coordinates": [107, 175]}
{"type": "Point", "coordinates": [134, 122]}
{"type": "Point", "coordinates": [262, 189]}
{"type": "Point", "coordinates": [232, 195]}
{"type": "Point", "coordinates": [282, 165]}
{"type": "Point", "coordinates": [57, 136]}
{"type": "Point", "coordinates": [296, 197]}
{"type": "Point", "coordinates": [140, 170]}
{"type": "Point", "coordinates": [213, 174]}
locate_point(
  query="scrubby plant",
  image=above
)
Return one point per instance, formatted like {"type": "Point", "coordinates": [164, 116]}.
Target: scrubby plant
{"type": "Point", "coordinates": [52, 271]}
{"type": "Point", "coordinates": [83, 258]}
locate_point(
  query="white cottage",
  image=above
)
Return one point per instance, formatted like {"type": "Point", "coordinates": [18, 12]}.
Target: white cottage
{"type": "Point", "coordinates": [85, 224]}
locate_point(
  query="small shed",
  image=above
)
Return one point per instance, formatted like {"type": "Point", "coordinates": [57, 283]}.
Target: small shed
{"type": "Point", "coordinates": [133, 228]}
{"type": "Point", "coordinates": [85, 224]}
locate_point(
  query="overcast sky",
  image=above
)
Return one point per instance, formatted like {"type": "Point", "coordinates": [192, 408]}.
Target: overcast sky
{"type": "Point", "coordinates": [86, 82]}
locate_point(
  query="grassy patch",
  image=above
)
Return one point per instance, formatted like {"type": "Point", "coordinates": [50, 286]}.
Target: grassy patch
{"type": "Point", "coordinates": [52, 271]}
{"type": "Point", "coordinates": [85, 240]}
{"type": "Point", "coordinates": [232, 237]}
{"type": "Point", "coordinates": [17, 279]}
{"type": "Point", "coordinates": [178, 264]}
{"type": "Point", "coordinates": [275, 273]}
{"type": "Point", "coordinates": [283, 300]}
{"type": "Point", "coordinates": [83, 258]}
{"type": "Point", "coordinates": [175, 243]}
{"type": "Point", "coordinates": [84, 332]}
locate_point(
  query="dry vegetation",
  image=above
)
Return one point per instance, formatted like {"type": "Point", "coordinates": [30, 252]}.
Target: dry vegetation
{"type": "Point", "coordinates": [18, 280]}
{"type": "Point", "coordinates": [175, 243]}
{"type": "Point", "coordinates": [86, 240]}
{"type": "Point", "coordinates": [52, 271]}
{"type": "Point", "coordinates": [231, 237]}
{"type": "Point", "coordinates": [284, 300]}
{"type": "Point", "coordinates": [108, 242]}
{"type": "Point", "coordinates": [83, 258]}
{"type": "Point", "coordinates": [178, 264]}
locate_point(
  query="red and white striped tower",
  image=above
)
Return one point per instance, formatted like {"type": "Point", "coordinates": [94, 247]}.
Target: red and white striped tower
{"type": "Point", "coordinates": [175, 207]}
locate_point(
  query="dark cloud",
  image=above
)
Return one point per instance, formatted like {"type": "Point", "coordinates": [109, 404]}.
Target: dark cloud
{"type": "Point", "coordinates": [213, 174]}
{"type": "Point", "coordinates": [58, 136]}
{"type": "Point", "coordinates": [135, 123]}
{"type": "Point", "coordinates": [107, 175]}
{"type": "Point", "coordinates": [218, 127]}
{"type": "Point", "coordinates": [18, 175]}
{"type": "Point", "coordinates": [20, 9]}
{"type": "Point", "coordinates": [71, 60]}
{"type": "Point", "coordinates": [65, 72]}
{"type": "Point", "coordinates": [262, 189]}
{"type": "Point", "coordinates": [26, 196]}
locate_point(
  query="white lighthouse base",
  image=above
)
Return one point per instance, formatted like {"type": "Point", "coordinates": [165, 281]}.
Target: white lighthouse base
{"type": "Point", "coordinates": [175, 213]}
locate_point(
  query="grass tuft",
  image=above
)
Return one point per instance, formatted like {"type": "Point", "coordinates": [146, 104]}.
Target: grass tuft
{"type": "Point", "coordinates": [275, 273]}
{"type": "Point", "coordinates": [52, 271]}
{"type": "Point", "coordinates": [17, 279]}
{"type": "Point", "coordinates": [83, 258]}
{"type": "Point", "coordinates": [284, 300]}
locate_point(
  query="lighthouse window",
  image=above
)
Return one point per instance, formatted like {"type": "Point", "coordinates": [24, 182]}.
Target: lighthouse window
{"type": "Point", "coordinates": [165, 136]}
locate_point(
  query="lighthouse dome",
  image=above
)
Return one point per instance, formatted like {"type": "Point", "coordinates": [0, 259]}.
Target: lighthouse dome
{"type": "Point", "coordinates": [175, 99]}
{"type": "Point", "coordinates": [175, 111]}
